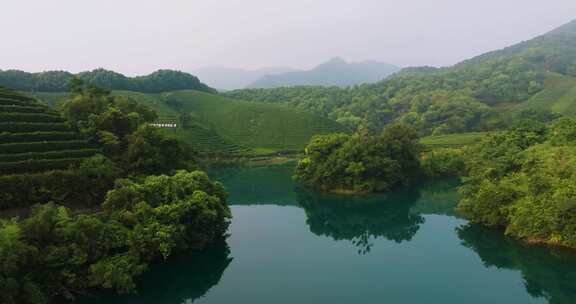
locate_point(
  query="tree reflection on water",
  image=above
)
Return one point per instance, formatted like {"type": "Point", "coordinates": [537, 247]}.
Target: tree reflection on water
{"type": "Point", "coordinates": [362, 219]}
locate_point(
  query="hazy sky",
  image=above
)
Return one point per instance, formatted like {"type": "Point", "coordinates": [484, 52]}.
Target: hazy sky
{"type": "Point", "coordinates": [139, 36]}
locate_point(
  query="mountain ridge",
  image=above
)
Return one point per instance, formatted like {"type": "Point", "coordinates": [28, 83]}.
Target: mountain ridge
{"type": "Point", "coordinates": [334, 72]}
{"type": "Point", "coordinates": [483, 93]}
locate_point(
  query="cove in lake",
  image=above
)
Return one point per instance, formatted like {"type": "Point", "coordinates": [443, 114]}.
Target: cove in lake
{"type": "Point", "coordinates": [407, 247]}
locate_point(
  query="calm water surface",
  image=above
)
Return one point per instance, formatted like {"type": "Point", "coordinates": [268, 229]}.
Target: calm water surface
{"type": "Point", "coordinates": [290, 246]}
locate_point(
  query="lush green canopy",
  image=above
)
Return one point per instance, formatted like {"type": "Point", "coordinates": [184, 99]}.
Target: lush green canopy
{"type": "Point", "coordinates": [360, 162]}
{"type": "Point", "coordinates": [57, 253]}
{"type": "Point", "coordinates": [523, 180]}
{"type": "Point", "coordinates": [57, 81]}
{"type": "Point", "coordinates": [120, 126]}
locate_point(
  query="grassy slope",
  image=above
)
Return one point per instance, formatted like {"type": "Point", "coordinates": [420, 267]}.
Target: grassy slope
{"type": "Point", "coordinates": [256, 125]}
{"type": "Point", "coordinates": [558, 96]}
{"type": "Point", "coordinates": [452, 140]}
{"type": "Point", "coordinates": [224, 125]}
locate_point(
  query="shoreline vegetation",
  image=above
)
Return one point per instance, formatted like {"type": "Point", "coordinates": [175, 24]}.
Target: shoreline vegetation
{"type": "Point", "coordinates": [523, 180]}
{"type": "Point", "coordinates": [55, 254]}
{"type": "Point", "coordinates": [520, 179]}
{"type": "Point", "coordinates": [98, 222]}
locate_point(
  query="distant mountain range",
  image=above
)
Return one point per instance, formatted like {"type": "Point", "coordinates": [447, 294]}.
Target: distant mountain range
{"type": "Point", "coordinates": [335, 72]}
{"type": "Point", "coordinates": [223, 78]}
{"type": "Point", "coordinates": [535, 79]}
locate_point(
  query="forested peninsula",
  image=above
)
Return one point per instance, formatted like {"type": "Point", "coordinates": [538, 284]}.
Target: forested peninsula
{"type": "Point", "coordinates": [107, 195]}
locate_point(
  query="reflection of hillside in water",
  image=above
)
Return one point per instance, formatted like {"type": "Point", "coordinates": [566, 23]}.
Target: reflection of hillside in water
{"type": "Point", "coordinates": [438, 197]}
{"type": "Point", "coordinates": [548, 273]}
{"type": "Point", "coordinates": [271, 185]}
{"type": "Point", "coordinates": [394, 216]}
{"type": "Point", "coordinates": [362, 219]}
{"type": "Point", "coordinates": [181, 279]}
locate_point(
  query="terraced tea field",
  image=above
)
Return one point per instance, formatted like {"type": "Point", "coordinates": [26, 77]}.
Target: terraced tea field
{"type": "Point", "coordinates": [34, 138]}
{"type": "Point", "coordinates": [222, 125]}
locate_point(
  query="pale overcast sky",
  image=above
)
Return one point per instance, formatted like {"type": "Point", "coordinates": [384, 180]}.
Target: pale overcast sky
{"type": "Point", "coordinates": [139, 36]}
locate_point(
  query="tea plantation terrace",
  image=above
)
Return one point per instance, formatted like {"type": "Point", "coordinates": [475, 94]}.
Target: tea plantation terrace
{"type": "Point", "coordinates": [35, 138]}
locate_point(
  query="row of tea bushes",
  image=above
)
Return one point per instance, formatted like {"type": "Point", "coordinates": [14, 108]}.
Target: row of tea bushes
{"type": "Point", "coordinates": [24, 109]}
{"type": "Point", "coordinates": [38, 136]}
{"type": "Point", "coordinates": [43, 146]}
{"type": "Point", "coordinates": [38, 165]}
{"type": "Point", "coordinates": [62, 154]}
{"type": "Point", "coordinates": [29, 117]}
{"type": "Point", "coordinates": [33, 127]}
{"type": "Point", "coordinates": [35, 138]}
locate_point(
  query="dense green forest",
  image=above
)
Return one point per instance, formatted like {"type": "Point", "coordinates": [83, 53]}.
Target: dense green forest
{"type": "Point", "coordinates": [58, 81]}
{"type": "Point", "coordinates": [108, 194]}
{"type": "Point", "coordinates": [58, 253]}
{"type": "Point", "coordinates": [361, 163]}
{"type": "Point", "coordinates": [523, 180]}
{"type": "Point", "coordinates": [480, 94]}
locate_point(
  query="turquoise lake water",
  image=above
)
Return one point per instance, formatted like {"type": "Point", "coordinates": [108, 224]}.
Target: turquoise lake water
{"type": "Point", "coordinates": [290, 246]}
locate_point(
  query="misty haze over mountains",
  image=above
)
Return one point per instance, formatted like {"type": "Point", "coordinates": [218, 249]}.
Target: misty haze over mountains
{"type": "Point", "coordinates": [224, 78]}
{"type": "Point", "coordinates": [335, 72]}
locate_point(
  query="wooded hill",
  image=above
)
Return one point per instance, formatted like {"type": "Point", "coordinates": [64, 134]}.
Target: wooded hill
{"type": "Point", "coordinates": [58, 81]}
{"type": "Point", "coordinates": [480, 94]}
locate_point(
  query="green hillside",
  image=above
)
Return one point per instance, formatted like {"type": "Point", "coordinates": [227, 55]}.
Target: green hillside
{"type": "Point", "coordinates": [256, 125]}
{"type": "Point", "coordinates": [34, 138]}
{"type": "Point", "coordinates": [558, 95]}
{"type": "Point", "coordinates": [221, 125]}
{"type": "Point", "coordinates": [452, 140]}
{"type": "Point", "coordinates": [471, 96]}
